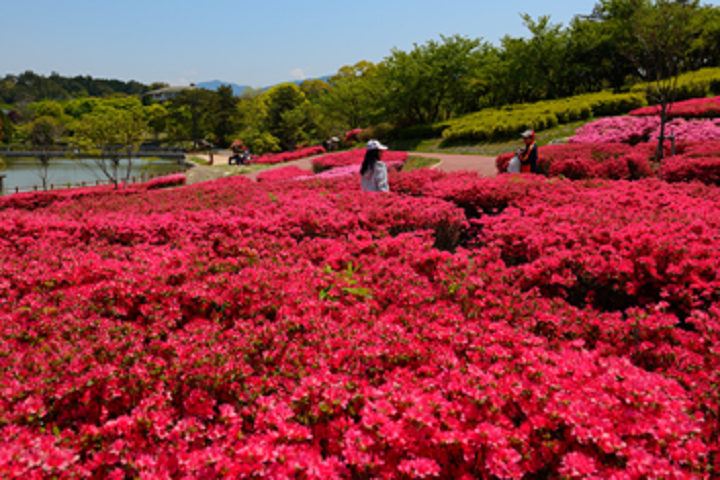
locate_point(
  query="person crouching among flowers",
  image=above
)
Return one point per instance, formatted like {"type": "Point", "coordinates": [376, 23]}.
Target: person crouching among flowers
{"type": "Point", "coordinates": [374, 173]}
{"type": "Point", "coordinates": [529, 156]}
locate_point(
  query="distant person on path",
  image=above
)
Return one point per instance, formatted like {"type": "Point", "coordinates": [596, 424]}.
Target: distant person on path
{"type": "Point", "coordinates": [529, 156]}
{"type": "Point", "coordinates": [207, 145]}
{"type": "Point", "coordinates": [374, 173]}
{"type": "Point", "coordinates": [236, 148]}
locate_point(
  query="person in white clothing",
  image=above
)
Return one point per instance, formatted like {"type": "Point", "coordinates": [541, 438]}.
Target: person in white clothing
{"type": "Point", "coordinates": [373, 173]}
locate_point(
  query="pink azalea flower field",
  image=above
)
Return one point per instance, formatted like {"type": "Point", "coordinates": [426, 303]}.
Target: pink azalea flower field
{"type": "Point", "coordinates": [637, 129]}
{"type": "Point", "coordinates": [458, 327]}
{"type": "Point", "coordinates": [282, 173]}
{"type": "Point", "coordinates": [694, 160]}
{"type": "Point", "coordinates": [283, 157]}
{"type": "Point", "coordinates": [695, 107]}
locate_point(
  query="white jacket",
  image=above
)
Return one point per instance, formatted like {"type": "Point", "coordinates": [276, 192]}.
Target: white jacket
{"type": "Point", "coordinates": [376, 179]}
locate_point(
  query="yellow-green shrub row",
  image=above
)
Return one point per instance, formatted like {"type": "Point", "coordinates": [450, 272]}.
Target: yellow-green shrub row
{"type": "Point", "coordinates": [689, 85]}
{"type": "Point", "coordinates": [494, 123]}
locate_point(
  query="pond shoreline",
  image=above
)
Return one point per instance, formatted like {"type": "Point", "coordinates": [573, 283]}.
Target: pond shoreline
{"type": "Point", "coordinates": [24, 174]}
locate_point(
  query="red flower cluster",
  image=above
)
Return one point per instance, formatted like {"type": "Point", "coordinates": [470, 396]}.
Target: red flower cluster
{"type": "Point", "coordinates": [353, 157]}
{"type": "Point", "coordinates": [684, 169]}
{"type": "Point", "coordinates": [457, 327]}
{"type": "Point", "coordinates": [614, 161]}
{"type": "Point", "coordinates": [695, 107]}
{"type": "Point", "coordinates": [283, 173]}
{"type": "Point", "coordinates": [351, 135]}
{"type": "Point", "coordinates": [290, 156]}
{"type": "Point", "coordinates": [693, 161]}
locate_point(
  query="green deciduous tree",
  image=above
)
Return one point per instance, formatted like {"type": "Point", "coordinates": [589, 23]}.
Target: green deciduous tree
{"type": "Point", "coordinates": [223, 113]}
{"type": "Point", "coordinates": [253, 115]}
{"type": "Point", "coordinates": [420, 85]}
{"type": "Point", "coordinates": [157, 118]}
{"type": "Point", "coordinates": [315, 88]}
{"type": "Point", "coordinates": [110, 135]}
{"type": "Point", "coordinates": [188, 112]}
{"type": "Point", "coordinates": [286, 113]}
{"type": "Point", "coordinates": [44, 132]}
{"type": "Point", "coordinates": [662, 34]}
{"type": "Point", "coordinates": [352, 99]}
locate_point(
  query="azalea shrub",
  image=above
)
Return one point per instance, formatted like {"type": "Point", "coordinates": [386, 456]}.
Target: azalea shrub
{"type": "Point", "coordinates": [289, 156]}
{"type": "Point", "coordinates": [353, 157]}
{"type": "Point", "coordinates": [282, 173]}
{"type": "Point", "coordinates": [459, 326]}
{"type": "Point", "coordinates": [695, 108]}
{"type": "Point", "coordinates": [634, 130]}
{"type": "Point", "coordinates": [352, 135]}
{"type": "Point", "coordinates": [615, 161]}
{"type": "Point", "coordinates": [354, 169]}
{"type": "Point", "coordinates": [686, 169]}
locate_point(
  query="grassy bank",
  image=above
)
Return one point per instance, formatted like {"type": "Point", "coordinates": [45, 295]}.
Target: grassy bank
{"type": "Point", "coordinates": [556, 134]}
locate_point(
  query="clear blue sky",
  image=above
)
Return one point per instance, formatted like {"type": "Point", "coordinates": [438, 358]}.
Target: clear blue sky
{"type": "Point", "coordinates": [257, 43]}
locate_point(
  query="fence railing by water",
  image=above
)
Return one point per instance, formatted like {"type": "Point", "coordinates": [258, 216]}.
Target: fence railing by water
{"type": "Point", "coordinates": [177, 154]}
{"type": "Point", "coordinates": [97, 183]}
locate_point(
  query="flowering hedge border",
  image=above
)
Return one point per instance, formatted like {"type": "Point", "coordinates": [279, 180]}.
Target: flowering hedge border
{"type": "Point", "coordinates": [694, 161]}
{"type": "Point", "coordinates": [352, 135]}
{"type": "Point", "coordinates": [693, 108]}
{"type": "Point", "coordinates": [633, 130]}
{"type": "Point", "coordinates": [283, 173]}
{"type": "Point", "coordinates": [290, 156]}
{"type": "Point", "coordinates": [353, 157]}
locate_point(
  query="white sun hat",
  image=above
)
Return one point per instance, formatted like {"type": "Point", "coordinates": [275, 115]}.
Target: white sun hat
{"type": "Point", "coordinates": [375, 145]}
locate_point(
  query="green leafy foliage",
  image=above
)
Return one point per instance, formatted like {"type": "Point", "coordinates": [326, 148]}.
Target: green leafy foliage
{"type": "Point", "coordinates": [499, 123]}
{"type": "Point", "coordinates": [699, 83]}
{"type": "Point", "coordinates": [32, 87]}
{"type": "Point", "coordinates": [109, 135]}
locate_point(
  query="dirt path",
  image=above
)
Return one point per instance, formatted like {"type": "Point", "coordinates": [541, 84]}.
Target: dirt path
{"type": "Point", "coordinates": [455, 163]}
{"type": "Point", "coordinates": [450, 163]}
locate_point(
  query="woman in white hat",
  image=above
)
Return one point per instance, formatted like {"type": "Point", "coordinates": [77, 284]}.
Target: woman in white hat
{"type": "Point", "coordinates": [373, 173]}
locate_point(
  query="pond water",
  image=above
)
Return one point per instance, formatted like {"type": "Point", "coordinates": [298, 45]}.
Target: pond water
{"type": "Point", "coordinates": [25, 172]}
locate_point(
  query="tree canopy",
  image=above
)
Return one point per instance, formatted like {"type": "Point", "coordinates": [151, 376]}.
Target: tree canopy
{"type": "Point", "coordinates": [616, 45]}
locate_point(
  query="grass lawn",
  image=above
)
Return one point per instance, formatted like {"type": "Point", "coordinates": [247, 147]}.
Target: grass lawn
{"type": "Point", "coordinates": [544, 137]}
{"type": "Point", "coordinates": [244, 169]}
{"type": "Point", "coordinates": [415, 162]}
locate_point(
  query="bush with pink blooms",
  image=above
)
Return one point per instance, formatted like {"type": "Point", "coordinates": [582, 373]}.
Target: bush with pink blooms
{"type": "Point", "coordinates": [615, 161]}
{"type": "Point", "coordinates": [289, 156]}
{"type": "Point", "coordinates": [693, 108]}
{"type": "Point", "coordinates": [353, 157]}
{"type": "Point", "coordinates": [686, 169]}
{"type": "Point", "coordinates": [459, 326]}
{"type": "Point", "coordinates": [633, 130]}
{"type": "Point", "coordinates": [352, 135]}
{"type": "Point", "coordinates": [354, 169]}
{"type": "Point", "coordinates": [283, 173]}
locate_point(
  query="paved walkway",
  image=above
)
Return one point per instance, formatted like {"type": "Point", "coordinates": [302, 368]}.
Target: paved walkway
{"type": "Point", "coordinates": [449, 163]}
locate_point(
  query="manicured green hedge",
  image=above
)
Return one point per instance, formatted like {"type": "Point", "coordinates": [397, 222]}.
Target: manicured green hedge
{"type": "Point", "coordinates": [695, 84]}
{"type": "Point", "coordinates": [509, 121]}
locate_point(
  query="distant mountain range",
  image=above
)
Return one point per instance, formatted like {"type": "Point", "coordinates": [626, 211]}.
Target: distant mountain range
{"type": "Point", "coordinates": [239, 89]}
